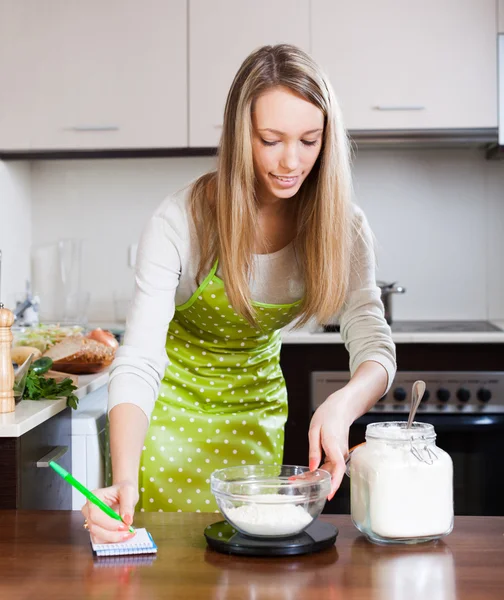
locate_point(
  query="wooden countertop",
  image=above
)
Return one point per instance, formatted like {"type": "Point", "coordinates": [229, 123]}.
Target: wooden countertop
{"type": "Point", "coordinates": [46, 554]}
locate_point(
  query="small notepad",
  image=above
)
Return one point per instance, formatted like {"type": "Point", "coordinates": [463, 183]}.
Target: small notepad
{"type": "Point", "coordinates": [141, 543]}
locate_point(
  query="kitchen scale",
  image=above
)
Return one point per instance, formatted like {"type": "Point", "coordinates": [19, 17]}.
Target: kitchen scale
{"type": "Point", "coordinates": [223, 537]}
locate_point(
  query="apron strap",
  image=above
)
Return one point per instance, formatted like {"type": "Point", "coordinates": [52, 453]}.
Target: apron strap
{"type": "Point", "coordinates": [214, 269]}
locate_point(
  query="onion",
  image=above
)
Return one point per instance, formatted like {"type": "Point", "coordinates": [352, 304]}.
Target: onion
{"type": "Point", "coordinates": [104, 337]}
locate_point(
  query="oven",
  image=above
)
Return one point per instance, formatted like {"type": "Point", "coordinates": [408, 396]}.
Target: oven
{"type": "Point", "coordinates": [467, 411]}
{"type": "Point", "coordinates": [462, 364]}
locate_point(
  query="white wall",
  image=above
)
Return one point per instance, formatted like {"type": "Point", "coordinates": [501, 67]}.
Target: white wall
{"type": "Point", "coordinates": [495, 241]}
{"type": "Point", "coordinates": [106, 203]}
{"type": "Point", "coordinates": [438, 216]}
{"type": "Point", "coordinates": [15, 229]}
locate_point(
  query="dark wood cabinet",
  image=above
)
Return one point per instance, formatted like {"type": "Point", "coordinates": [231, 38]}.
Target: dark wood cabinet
{"type": "Point", "coordinates": [23, 484]}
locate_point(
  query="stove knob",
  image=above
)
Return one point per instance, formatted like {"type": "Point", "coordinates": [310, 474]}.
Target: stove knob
{"type": "Point", "coordinates": [463, 395]}
{"type": "Point", "coordinates": [484, 395]}
{"type": "Point", "coordinates": [425, 397]}
{"type": "Point", "coordinates": [400, 394]}
{"type": "Point", "coordinates": [443, 395]}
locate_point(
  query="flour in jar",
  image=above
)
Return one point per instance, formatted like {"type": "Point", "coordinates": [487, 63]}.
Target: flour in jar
{"type": "Point", "coordinates": [396, 495]}
{"type": "Point", "coordinates": [269, 515]}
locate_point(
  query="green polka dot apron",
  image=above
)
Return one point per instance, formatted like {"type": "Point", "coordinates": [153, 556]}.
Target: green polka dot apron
{"type": "Point", "coordinates": [222, 401]}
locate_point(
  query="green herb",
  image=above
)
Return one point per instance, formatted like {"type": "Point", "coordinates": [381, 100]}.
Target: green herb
{"type": "Point", "coordinates": [39, 387]}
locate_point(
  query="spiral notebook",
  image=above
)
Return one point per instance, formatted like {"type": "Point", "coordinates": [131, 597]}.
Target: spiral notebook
{"type": "Point", "coordinates": [141, 543]}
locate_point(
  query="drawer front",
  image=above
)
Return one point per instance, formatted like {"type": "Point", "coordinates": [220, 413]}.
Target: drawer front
{"type": "Point", "coordinates": [8, 472]}
{"type": "Point", "coordinates": [41, 488]}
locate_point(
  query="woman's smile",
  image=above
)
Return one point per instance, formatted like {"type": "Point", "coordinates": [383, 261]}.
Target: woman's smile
{"type": "Point", "coordinates": [285, 181]}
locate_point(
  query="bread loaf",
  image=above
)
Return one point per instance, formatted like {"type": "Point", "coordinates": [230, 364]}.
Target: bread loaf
{"type": "Point", "coordinates": [76, 348]}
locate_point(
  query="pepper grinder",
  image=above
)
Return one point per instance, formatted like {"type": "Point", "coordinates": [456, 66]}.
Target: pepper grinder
{"type": "Point", "coordinates": [7, 403]}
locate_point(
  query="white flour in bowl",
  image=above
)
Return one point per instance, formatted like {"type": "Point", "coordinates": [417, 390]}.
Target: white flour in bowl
{"type": "Point", "coordinates": [276, 518]}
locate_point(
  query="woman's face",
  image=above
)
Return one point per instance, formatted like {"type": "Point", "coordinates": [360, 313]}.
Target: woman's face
{"type": "Point", "coordinates": [287, 137]}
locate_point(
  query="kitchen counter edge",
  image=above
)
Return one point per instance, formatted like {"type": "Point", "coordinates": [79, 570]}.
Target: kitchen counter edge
{"type": "Point", "coordinates": [31, 413]}
{"type": "Point", "coordinates": [306, 336]}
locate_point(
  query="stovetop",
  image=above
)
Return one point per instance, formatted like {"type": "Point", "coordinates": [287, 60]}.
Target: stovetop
{"type": "Point", "coordinates": [444, 327]}
{"type": "Point", "coordinates": [435, 327]}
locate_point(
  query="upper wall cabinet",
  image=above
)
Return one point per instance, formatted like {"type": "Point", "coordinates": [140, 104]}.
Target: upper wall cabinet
{"type": "Point", "coordinates": [221, 35]}
{"type": "Point", "coordinates": [399, 64]}
{"type": "Point", "coordinates": [17, 102]}
{"type": "Point", "coordinates": [93, 74]}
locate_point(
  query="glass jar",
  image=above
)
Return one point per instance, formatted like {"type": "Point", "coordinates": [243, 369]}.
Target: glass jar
{"type": "Point", "coordinates": [401, 486]}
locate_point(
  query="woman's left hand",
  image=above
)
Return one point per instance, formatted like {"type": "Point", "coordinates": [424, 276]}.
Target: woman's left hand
{"type": "Point", "coordinates": [329, 434]}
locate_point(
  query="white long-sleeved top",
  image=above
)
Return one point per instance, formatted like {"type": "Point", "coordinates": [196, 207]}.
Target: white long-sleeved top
{"type": "Point", "coordinates": [166, 266]}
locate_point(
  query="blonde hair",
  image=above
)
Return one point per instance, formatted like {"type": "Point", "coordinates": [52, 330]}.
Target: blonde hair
{"type": "Point", "coordinates": [224, 205]}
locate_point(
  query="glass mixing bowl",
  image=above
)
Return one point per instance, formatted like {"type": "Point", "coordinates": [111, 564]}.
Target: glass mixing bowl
{"type": "Point", "coordinates": [270, 500]}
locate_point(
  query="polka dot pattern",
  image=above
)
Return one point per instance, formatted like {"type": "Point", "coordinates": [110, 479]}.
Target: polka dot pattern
{"type": "Point", "coordinates": [222, 401]}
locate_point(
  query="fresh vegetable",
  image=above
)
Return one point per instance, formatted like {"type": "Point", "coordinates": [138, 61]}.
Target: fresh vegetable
{"type": "Point", "coordinates": [42, 365]}
{"type": "Point", "coordinates": [44, 336]}
{"type": "Point", "coordinates": [39, 387]}
{"type": "Point", "coordinates": [104, 337]}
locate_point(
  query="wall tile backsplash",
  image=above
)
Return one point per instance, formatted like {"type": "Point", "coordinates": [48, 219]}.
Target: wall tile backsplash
{"type": "Point", "coordinates": [437, 215]}
{"type": "Point", "coordinates": [15, 229]}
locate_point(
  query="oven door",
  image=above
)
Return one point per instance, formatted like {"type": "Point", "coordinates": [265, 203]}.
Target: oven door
{"type": "Point", "coordinates": [476, 446]}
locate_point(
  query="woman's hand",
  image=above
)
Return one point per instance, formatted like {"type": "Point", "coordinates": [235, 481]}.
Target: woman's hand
{"type": "Point", "coordinates": [329, 434]}
{"type": "Point", "coordinates": [121, 497]}
{"type": "Point", "coordinates": [331, 422]}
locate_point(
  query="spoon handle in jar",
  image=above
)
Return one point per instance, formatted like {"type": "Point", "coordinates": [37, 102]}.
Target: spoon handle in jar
{"type": "Point", "coordinates": [417, 393]}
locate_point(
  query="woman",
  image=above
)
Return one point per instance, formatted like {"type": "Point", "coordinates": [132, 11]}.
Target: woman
{"type": "Point", "coordinates": [270, 237]}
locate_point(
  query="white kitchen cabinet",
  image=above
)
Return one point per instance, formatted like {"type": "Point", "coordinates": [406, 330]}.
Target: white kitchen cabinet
{"type": "Point", "coordinates": [16, 82]}
{"type": "Point", "coordinates": [221, 35]}
{"type": "Point", "coordinates": [404, 64]}
{"type": "Point", "coordinates": [94, 74]}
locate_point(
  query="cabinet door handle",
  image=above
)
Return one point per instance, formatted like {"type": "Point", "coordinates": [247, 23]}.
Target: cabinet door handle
{"type": "Point", "coordinates": [56, 452]}
{"type": "Point", "coordinates": [398, 107]}
{"type": "Point", "coordinates": [80, 128]}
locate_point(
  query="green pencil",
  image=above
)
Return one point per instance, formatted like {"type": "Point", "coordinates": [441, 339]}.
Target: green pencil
{"type": "Point", "coordinates": [83, 490]}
